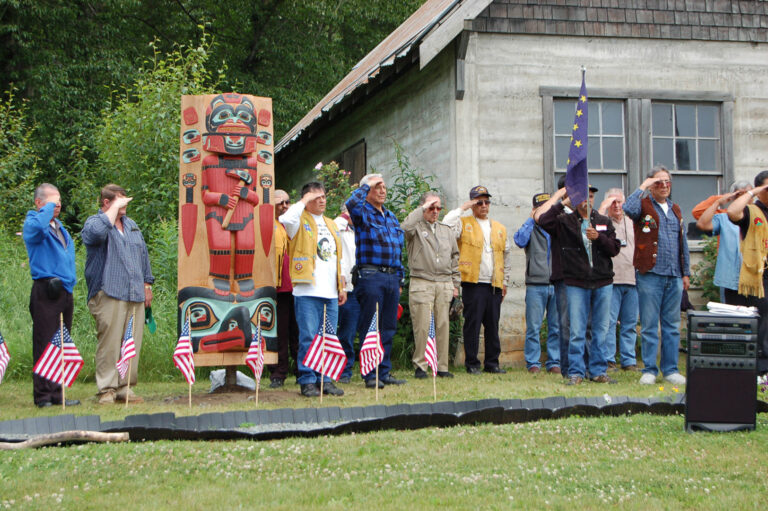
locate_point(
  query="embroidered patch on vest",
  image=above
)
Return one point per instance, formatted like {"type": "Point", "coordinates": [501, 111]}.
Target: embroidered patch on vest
{"type": "Point", "coordinates": [758, 222]}
{"type": "Point", "coordinates": [298, 266]}
{"type": "Point", "coordinates": [307, 227]}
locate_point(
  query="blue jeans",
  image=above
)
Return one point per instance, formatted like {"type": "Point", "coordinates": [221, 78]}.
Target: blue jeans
{"type": "Point", "coordinates": [349, 326]}
{"type": "Point", "coordinates": [581, 302]}
{"type": "Point", "coordinates": [538, 301]}
{"type": "Point", "coordinates": [309, 317]}
{"type": "Point", "coordinates": [659, 297]}
{"type": "Point", "coordinates": [623, 309]}
{"type": "Point", "coordinates": [376, 287]}
{"type": "Point", "coordinates": [561, 296]}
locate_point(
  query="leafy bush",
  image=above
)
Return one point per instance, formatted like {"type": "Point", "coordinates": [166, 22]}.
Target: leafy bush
{"type": "Point", "coordinates": [138, 145]}
{"type": "Point", "coordinates": [337, 186]}
{"type": "Point", "coordinates": [18, 162]}
{"type": "Point", "coordinates": [704, 272]}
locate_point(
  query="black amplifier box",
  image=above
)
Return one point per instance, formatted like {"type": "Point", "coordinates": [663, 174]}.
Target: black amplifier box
{"type": "Point", "coordinates": [721, 392]}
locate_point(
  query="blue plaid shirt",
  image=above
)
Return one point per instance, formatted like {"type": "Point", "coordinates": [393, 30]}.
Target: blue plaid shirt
{"type": "Point", "coordinates": [668, 257]}
{"type": "Point", "coordinates": [378, 236]}
{"type": "Point", "coordinates": [116, 263]}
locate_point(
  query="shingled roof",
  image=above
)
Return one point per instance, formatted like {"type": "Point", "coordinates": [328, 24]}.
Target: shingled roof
{"type": "Point", "coordinates": [442, 20]}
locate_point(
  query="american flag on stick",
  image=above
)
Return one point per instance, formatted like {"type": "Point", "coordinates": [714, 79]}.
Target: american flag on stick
{"type": "Point", "coordinates": [255, 357]}
{"type": "Point", "coordinates": [183, 358]}
{"type": "Point", "coordinates": [371, 352]}
{"type": "Point", "coordinates": [60, 362]}
{"type": "Point", "coordinates": [4, 357]}
{"type": "Point", "coordinates": [327, 357]}
{"type": "Point", "coordinates": [430, 352]}
{"type": "Point", "coordinates": [127, 350]}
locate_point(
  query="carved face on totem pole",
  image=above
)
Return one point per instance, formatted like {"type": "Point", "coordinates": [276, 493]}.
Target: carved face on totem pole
{"type": "Point", "coordinates": [231, 125]}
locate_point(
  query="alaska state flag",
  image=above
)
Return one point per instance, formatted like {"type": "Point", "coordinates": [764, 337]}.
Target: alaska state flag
{"type": "Point", "coordinates": [576, 180]}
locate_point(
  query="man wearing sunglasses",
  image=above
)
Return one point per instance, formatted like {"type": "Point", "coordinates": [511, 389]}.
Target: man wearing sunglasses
{"type": "Point", "coordinates": [434, 260]}
{"type": "Point", "coordinates": [662, 262]}
{"type": "Point", "coordinates": [484, 264]}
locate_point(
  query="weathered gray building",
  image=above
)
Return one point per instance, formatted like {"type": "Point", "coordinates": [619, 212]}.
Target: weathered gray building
{"type": "Point", "coordinates": [482, 92]}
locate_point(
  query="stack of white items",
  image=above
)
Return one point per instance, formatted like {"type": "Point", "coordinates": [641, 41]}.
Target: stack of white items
{"type": "Point", "coordinates": [731, 310]}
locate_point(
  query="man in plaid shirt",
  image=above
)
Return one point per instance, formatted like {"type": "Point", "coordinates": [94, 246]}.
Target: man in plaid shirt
{"type": "Point", "coordinates": [379, 241]}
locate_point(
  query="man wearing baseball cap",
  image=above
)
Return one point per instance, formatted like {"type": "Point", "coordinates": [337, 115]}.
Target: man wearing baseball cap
{"type": "Point", "coordinates": [485, 268]}
{"type": "Point", "coordinates": [539, 293]}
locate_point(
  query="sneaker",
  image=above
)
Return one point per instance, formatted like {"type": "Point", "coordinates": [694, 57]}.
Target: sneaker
{"type": "Point", "coordinates": [631, 367]}
{"type": "Point", "coordinates": [647, 379]}
{"type": "Point", "coordinates": [534, 370]}
{"type": "Point", "coordinates": [107, 397]}
{"type": "Point", "coordinates": [603, 378]}
{"type": "Point", "coordinates": [276, 383]}
{"type": "Point", "coordinates": [554, 370]}
{"type": "Point", "coordinates": [310, 390]}
{"type": "Point", "coordinates": [444, 374]}
{"type": "Point", "coordinates": [675, 379]}
{"type": "Point", "coordinates": [331, 389]}
{"type": "Point", "coordinates": [420, 374]}
{"type": "Point", "coordinates": [574, 380]}
{"type": "Point", "coordinates": [612, 367]}
{"type": "Point", "coordinates": [345, 379]}
{"type": "Point", "coordinates": [132, 398]}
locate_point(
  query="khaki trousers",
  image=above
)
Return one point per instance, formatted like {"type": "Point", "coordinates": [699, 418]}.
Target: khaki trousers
{"type": "Point", "coordinates": [112, 318]}
{"type": "Point", "coordinates": [421, 295]}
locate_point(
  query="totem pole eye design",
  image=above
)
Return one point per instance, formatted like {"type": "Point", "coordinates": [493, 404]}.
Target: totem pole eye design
{"type": "Point", "coordinates": [191, 136]}
{"type": "Point", "coordinates": [190, 155]}
{"type": "Point", "coordinates": [264, 137]}
{"type": "Point", "coordinates": [265, 315]}
{"type": "Point", "coordinates": [201, 315]}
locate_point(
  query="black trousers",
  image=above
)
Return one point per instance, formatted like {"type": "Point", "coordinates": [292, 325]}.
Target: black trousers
{"type": "Point", "coordinates": [45, 311]}
{"type": "Point", "coordinates": [482, 306]}
{"type": "Point", "coordinates": [287, 337]}
{"type": "Point", "coordinates": [734, 298]}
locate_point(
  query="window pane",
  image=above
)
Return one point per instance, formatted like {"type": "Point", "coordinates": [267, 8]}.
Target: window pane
{"type": "Point", "coordinates": [593, 153]}
{"type": "Point", "coordinates": [708, 121]}
{"type": "Point", "coordinates": [613, 153]}
{"type": "Point", "coordinates": [708, 155]}
{"type": "Point", "coordinates": [687, 191]}
{"type": "Point", "coordinates": [686, 154]}
{"type": "Point", "coordinates": [662, 152]}
{"type": "Point", "coordinates": [594, 117]}
{"type": "Point", "coordinates": [564, 111]}
{"type": "Point", "coordinates": [562, 144]}
{"type": "Point", "coordinates": [685, 117]}
{"type": "Point", "coordinates": [603, 182]}
{"type": "Point", "coordinates": [612, 119]}
{"type": "Point", "coordinates": [662, 120]}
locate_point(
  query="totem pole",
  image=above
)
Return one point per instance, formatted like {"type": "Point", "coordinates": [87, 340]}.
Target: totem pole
{"type": "Point", "coordinates": [226, 222]}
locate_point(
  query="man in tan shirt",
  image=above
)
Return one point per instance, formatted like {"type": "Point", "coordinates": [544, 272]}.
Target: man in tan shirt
{"type": "Point", "coordinates": [433, 256]}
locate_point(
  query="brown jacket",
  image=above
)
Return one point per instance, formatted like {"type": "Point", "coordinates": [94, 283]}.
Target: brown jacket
{"type": "Point", "coordinates": [647, 243]}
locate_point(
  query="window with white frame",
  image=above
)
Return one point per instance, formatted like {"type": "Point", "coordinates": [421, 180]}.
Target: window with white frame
{"type": "Point", "coordinates": [630, 131]}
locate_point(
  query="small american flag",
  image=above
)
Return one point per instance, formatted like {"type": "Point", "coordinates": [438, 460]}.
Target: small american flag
{"type": "Point", "coordinates": [430, 352]}
{"type": "Point", "coordinates": [127, 350]}
{"type": "Point", "coordinates": [4, 357]}
{"type": "Point", "coordinates": [327, 357]}
{"type": "Point", "coordinates": [183, 358]}
{"type": "Point", "coordinates": [371, 352]}
{"type": "Point", "coordinates": [255, 357]}
{"type": "Point", "coordinates": [60, 362]}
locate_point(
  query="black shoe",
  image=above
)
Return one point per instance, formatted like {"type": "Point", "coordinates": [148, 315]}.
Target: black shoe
{"type": "Point", "coordinates": [71, 402]}
{"type": "Point", "coordinates": [371, 384]}
{"type": "Point", "coordinates": [495, 370]}
{"type": "Point", "coordinates": [420, 374]}
{"type": "Point", "coordinates": [445, 374]}
{"type": "Point", "coordinates": [333, 390]}
{"type": "Point", "coordinates": [310, 390]}
{"type": "Point", "coordinates": [474, 370]}
{"type": "Point", "coordinates": [44, 404]}
{"type": "Point", "coordinates": [276, 383]}
{"type": "Point", "coordinates": [345, 379]}
{"type": "Point", "coordinates": [391, 380]}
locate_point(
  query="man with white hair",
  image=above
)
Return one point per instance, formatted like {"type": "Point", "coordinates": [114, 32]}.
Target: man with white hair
{"type": "Point", "coordinates": [711, 216]}
{"type": "Point", "coordinates": [624, 308]}
{"type": "Point", "coordinates": [379, 242]}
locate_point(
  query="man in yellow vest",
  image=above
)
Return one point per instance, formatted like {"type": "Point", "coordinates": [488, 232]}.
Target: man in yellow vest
{"type": "Point", "coordinates": [318, 285]}
{"type": "Point", "coordinates": [484, 264]}
{"type": "Point", "coordinates": [287, 329]}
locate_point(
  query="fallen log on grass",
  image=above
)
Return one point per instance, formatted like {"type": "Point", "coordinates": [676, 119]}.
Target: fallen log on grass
{"type": "Point", "coordinates": [64, 436]}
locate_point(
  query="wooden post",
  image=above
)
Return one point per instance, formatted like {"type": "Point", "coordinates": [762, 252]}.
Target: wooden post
{"type": "Point", "coordinates": [322, 360]}
{"type": "Point", "coordinates": [130, 360]}
{"type": "Point", "coordinates": [61, 356]}
{"type": "Point", "coordinates": [378, 333]}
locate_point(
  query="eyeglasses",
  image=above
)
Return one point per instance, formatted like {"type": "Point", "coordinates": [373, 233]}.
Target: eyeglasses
{"type": "Point", "coordinates": [483, 202]}
{"type": "Point", "coordinates": [435, 208]}
{"type": "Point", "coordinates": [283, 203]}
{"type": "Point", "coordinates": [664, 182]}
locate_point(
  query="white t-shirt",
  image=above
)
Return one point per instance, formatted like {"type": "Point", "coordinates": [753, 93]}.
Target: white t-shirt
{"type": "Point", "coordinates": [665, 207]}
{"type": "Point", "coordinates": [486, 260]}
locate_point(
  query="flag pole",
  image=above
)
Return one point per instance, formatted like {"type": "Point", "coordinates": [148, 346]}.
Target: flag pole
{"type": "Point", "coordinates": [322, 351]}
{"type": "Point", "coordinates": [434, 376]}
{"type": "Point", "coordinates": [589, 203]}
{"type": "Point", "coordinates": [61, 355]}
{"type": "Point", "coordinates": [189, 390]}
{"type": "Point", "coordinates": [130, 360]}
{"type": "Point", "coordinates": [378, 333]}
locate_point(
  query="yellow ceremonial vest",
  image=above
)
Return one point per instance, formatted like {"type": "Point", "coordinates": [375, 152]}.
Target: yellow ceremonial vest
{"type": "Point", "coordinates": [302, 250]}
{"type": "Point", "coordinates": [281, 244]}
{"type": "Point", "coordinates": [471, 250]}
{"type": "Point", "coordinates": [754, 249]}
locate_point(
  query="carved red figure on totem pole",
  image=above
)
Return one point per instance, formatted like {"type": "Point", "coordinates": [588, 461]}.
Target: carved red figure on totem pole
{"type": "Point", "coordinates": [229, 190]}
